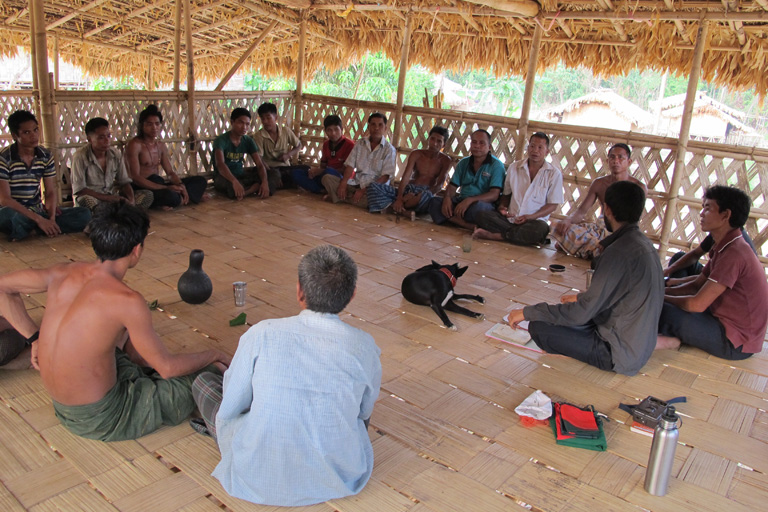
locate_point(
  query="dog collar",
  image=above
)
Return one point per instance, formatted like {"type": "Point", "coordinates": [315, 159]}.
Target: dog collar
{"type": "Point", "coordinates": [450, 276]}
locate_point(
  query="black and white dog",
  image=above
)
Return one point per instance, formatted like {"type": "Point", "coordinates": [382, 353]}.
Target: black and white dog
{"type": "Point", "coordinates": [433, 285]}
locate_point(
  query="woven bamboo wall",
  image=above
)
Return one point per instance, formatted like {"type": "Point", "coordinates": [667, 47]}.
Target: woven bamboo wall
{"type": "Point", "coordinates": [580, 152]}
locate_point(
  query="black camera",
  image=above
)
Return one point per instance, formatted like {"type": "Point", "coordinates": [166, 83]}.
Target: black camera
{"type": "Point", "coordinates": [649, 411]}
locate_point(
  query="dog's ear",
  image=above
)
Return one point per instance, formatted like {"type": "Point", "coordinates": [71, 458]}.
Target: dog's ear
{"type": "Point", "coordinates": [460, 271]}
{"type": "Point", "coordinates": [435, 264]}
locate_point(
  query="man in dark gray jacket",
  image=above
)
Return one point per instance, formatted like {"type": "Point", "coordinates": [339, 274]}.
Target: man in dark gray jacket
{"type": "Point", "coordinates": [613, 324]}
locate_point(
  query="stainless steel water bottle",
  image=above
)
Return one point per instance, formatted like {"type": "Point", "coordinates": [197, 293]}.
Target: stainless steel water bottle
{"type": "Point", "coordinates": [662, 453]}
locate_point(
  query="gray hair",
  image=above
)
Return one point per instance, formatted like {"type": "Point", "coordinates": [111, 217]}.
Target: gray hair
{"type": "Point", "coordinates": [327, 276]}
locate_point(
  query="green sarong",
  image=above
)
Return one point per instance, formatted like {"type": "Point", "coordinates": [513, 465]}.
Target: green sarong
{"type": "Point", "coordinates": [139, 403]}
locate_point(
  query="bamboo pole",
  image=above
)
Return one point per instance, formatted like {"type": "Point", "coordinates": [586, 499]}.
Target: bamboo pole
{"type": "Point", "coordinates": [56, 61]}
{"type": "Point", "coordinates": [150, 78]}
{"type": "Point", "coordinates": [33, 52]}
{"type": "Point", "coordinates": [404, 52]}
{"type": "Point", "coordinates": [299, 97]}
{"type": "Point", "coordinates": [190, 87]}
{"type": "Point", "coordinates": [177, 45]}
{"type": "Point", "coordinates": [247, 53]}
{"type": "Point", "coordinates": [530, 79]}
{"type": "Point", "coordinates": [360, 78]}
{"type": "Point", "coordinates": [685, 127]}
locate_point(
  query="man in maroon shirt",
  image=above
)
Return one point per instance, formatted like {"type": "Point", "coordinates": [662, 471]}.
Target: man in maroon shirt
{"type": "Point", "coordinates": [335, 152]}
{"type": "Point", "coordinates": [723, 310]}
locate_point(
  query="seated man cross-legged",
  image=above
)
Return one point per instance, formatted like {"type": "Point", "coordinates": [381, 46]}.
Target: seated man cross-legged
{"type": "Point", "coordinates": [533, 190]}
{"type": "Point", "coordinates": [146, 155]}
{"type": "Point", "coordinates": [290, 416]}
{"type": "Point", "coordinates": [612, 325]}
{"type": "Point", "coordinates": [278, 146]}
{"type": "Point", "coordinates": [99, 173]}
{"type": "Point", "coordinates": [229, 150]}
{"type": "Point", "coordinates": [96, 339]}
{"type": "Point", "coordinates": [474, 186]}
{"type": "Point", "coordinates": [334, 153]}
{"type": "Point", "coordinates": [424, 176]}
{"type": "Point", "coordinates": [23, 166]}
{"type": "Point", "coordinates": [723, 310]}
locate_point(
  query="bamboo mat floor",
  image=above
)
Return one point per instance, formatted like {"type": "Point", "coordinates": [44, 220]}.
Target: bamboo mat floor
{"type": "Point", "coordinates": [444, 432]}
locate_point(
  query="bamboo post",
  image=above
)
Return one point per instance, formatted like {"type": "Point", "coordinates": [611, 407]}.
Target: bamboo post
{"type": "Point", "coordinates": [190, 87]}
{"type": "Point", "coordinates": [177, 45]}
{"type": "Point", "coordinates": [404, 53]}
{"type": "Point", "coordinates": [150, 78]}
{"type": "Point", "coordinates": [298, 102]}
{"type": "Point", "coordinates": [360, 78]}
{"type": "Point", "coordinates": [247, 53]}
{"type": "Point", "coordinates": [44, 80]}
{"type": "Point", "coordinates": [55, 61]}
{"type": "Point", "coordinates": [657, 112]}
{"type": "Point", "coordinates": [32, 53]}
{"type": "Point", "coordinates": [522, 127]}
{"type": "Point", "coordinates": [682, 142]}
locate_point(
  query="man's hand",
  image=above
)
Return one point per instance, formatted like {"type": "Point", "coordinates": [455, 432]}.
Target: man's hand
{"type": "Point", "coordinates": [263, 190]}
{"type": "Point", "coordinates": [462, 207]}
{"type": "Point", "coordinates": [223, 358]}
{"type": "Point", "coordinates": [447, 209]}
{"type": "Point", "coordinates": [342, 190]}
{"type": "Point", "coordinates": [397, 206]}
{"type": "Point", "coordinates": [358, 195]}
{"type": "Point", "coordinates": [569, 297]}
{"type": "Point", "coordinates": [237, 187]}
{"type": "Point", "coordinates": [314, 171]}
{"type": "Point", "coordinates": [182, 190]}
{"type": "Point", "coordinates": [33, 357]}
{"type": "Point", "coordinates": [285, 157]}
{"type": "Point", "coordinates": [563, 226]}
{"type": "Point", "coordinates": [521, 219]}
{"type": "Point", "coordinates": [49, 226]}
{"type": "Point", "coordinates": [515, 317]}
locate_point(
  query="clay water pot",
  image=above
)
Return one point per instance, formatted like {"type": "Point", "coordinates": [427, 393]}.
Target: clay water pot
{"type": "Point", "coordinates": [195, 286]}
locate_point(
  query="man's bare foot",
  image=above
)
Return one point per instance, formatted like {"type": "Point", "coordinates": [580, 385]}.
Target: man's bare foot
{"type": "Point", "coordinates": [206, 197]}
{"type": "Point", "coordinates": [483, 234]}
{"type": "Point", "coordinates": [20, 362]}
{"type": "Point", "coordinates": [167, 208]}
{"type": "Point", "coordinates": [667, 343]}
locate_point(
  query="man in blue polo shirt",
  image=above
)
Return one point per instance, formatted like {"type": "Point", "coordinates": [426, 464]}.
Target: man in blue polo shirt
{"type": "Point", "coordinates": [478, 179]}
{"type": "Point", "coordinates": [23, 165]}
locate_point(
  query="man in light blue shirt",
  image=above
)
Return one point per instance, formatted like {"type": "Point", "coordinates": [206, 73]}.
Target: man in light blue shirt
{"type": "Point", "coordinates": [291, 420]}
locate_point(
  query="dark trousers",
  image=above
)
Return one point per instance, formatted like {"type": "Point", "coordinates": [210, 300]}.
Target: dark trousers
{"type": "Point", "coordinates": [18, 227]}
{"type": "Point", "coordinates": [300, 176]}
{"type": "Point", "coordinates": [580, 343]}
{"type": "Point", "coordinates": [249, 178]}
{"type": "Point", "coordinates": [700, 330]}
{"type": "Point", "coordinates": [470, 216]}
{"type": "Point", "coordinates": [195, 186]}
{"type": "Point", "coordinates": [532, 232]}
{"type": "Point", "coordinates": [286, 173]}
{"type": "Point", "coordinates": [691, 270]}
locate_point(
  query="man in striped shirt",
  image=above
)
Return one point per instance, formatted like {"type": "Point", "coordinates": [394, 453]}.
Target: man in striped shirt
{"type": "Point", "coordinates": [23, 165]}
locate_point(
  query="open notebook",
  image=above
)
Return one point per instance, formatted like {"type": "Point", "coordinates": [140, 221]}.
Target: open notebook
{"type": "Point", "coordinates": [520, 337]}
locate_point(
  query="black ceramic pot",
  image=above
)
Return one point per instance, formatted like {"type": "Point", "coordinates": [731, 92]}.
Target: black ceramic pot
{"type": "Point", "coordinates": [194, 285]}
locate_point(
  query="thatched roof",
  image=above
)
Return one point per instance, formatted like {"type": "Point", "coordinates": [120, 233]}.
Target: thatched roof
{"type": "Point", "coordinates": [623, 108]}
{"type": "Point", "coordinates": [673, 106]}
{"type": "Point", "coordinates": [116, 37]}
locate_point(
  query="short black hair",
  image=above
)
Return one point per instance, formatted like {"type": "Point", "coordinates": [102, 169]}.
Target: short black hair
{"type": "Point", "coordinates": [238, 113]}
{"type": "Point", "coordinates": [623, 146]}
{"type": "Point", "coordinates": [267, 108]}
{"type": "Point", "coordinates": [486, 132]}
{"type": "Point", "coordinates": [150, 111]}
{"type": "Point", "coordinates": [18, 118]}
{"type": "Point", "coordinates": [733, 199]}
{"type": "Point", "coordinates": [332, 120]}
{"type": "Point", "coordinates": [94, 124]}
{"type": "Point", "coordinates": [540, 135]}
{"type": "Point", "coordinates": [116, 228]}
{"type": "Point", "coordinates": [379, 115]}
{"type": "Point", "coordinates": [440, 131]}
{"type": "Point", "coordinates": [626, 201]}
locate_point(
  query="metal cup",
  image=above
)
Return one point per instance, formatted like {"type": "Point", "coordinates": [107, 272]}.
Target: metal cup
{"type": "Point", "coordinates": [240, 289]}
{"type": "Point", "coordinates": [589, 277]}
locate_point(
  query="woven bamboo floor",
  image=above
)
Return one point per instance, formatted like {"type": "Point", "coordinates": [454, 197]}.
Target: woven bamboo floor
{"type": "Point", "coordinates": [444, 431]}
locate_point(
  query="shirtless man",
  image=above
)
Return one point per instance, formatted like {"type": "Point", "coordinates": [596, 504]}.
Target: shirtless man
{"type": "Point", "coordinates": [145, 154]}
{"type": "Point", "coordinates": [583, 239]}
{"type": "Point", "coordinates": [93, 330]}
{"type": "Point", "coordinates": [424, 176]}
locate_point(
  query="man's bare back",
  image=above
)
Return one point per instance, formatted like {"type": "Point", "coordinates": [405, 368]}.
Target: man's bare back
{"type": "Point", "coordinates": [83, 324]}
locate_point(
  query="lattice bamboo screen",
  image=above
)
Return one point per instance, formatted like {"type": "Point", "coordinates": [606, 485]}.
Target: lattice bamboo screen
{"type": "Point", "coordinates": [580, 152]}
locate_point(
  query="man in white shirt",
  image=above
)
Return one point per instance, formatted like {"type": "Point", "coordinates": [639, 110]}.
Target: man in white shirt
{"type": "Point", "coordinates": [533, 190]}
{"type": "Point", "coordinates": [372, 159]}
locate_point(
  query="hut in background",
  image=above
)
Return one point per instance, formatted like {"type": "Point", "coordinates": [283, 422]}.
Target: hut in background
{"type": "Point", "coordinates": [602, 108]}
